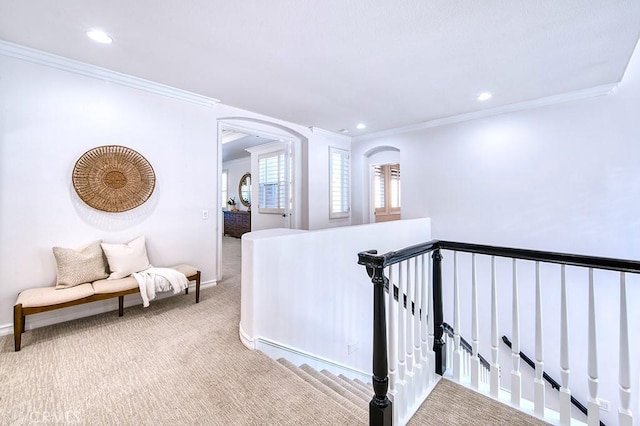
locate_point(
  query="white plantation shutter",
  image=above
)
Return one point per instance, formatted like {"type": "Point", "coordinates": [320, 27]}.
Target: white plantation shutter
{"type": "Point", "coordinates": [394, 175]}
{"type": "Point", "coordinates": [378, 187]}
{"type": "Point", "coordinates": [339, 183]}
{"type": "Point", "coordinates": [272, 184]}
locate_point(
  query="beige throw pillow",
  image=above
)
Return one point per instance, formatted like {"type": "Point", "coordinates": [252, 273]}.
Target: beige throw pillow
{"type": "Point", "coordinates": [79, 266]}
{"type": "Point", "coordinates": [125, 259]}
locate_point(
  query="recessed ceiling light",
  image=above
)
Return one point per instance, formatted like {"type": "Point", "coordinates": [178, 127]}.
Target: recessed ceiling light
{"type": "Point", "coordinates": [484, 96]}
{"type": "Point", "coordinates": [361, 126]}
{"type": "Point", "coordinates": [99, 36]}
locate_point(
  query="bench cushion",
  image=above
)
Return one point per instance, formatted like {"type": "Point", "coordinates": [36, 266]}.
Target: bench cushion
{"type": "Point", "coordinates": [187, 270]}
{"type": "Point", "coordinates": [46, 296]}
{"type": "Point", "coordinates": [113, 286]}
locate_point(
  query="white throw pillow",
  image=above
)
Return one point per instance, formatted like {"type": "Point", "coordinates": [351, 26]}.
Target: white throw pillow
{"type": "Point", "coordinates": [125, 259]}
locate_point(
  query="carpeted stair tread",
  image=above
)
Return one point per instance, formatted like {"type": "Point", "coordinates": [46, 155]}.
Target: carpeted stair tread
{"type": "Point", "coordinates": [367, 390]}
{"type": "Point", "coordinates": [364, 385]}
{"type": "Point", "coordinates": [356, 392]}
{"type": "Point", "coordinates": [336, 386]}
{"type": "Point", "coordinates": [331, 393]}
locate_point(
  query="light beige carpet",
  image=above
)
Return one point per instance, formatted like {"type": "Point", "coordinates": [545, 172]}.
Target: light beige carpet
{"type": "Point", "coordinates": [174, 363]}
{"type": "Point", "coordinates": [181, 363]}
{"type": "Point", "coordinates": [453, 404]}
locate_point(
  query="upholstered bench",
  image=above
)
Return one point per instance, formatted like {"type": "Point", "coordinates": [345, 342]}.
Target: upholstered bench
{"type": "Point", "coordinates": [85, 276]}
{"type": "Point", "coordinates": [43, 299]}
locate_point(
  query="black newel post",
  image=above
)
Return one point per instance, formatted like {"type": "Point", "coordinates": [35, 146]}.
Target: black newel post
{"type": "Point", "coordinates": [380, 406]}
{"type": "Point", "coordinates": [439, 346]}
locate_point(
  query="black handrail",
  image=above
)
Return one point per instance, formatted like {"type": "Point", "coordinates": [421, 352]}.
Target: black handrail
{"type": "Point", "coordinates": [554, 384]}
{"type": "Point", "coordinates": [392, 257]}
{"type": "Point", "coordinates": [376, 263]}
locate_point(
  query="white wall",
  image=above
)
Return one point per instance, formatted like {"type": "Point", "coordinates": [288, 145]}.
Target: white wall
{"type": "Point", "coordinates": [49, 119]}
{"type": "Point", "coordinates": [559, 178]}
{"type": "Point", "coordinates": [320, 302]}
{"type": "Point", "coordinates": [236, 169]}
{"type": "Point", "coordinates": [50, 116]}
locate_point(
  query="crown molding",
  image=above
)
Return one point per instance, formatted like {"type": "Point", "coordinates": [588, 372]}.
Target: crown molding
{"type": "Point", "coordinates": [520, 106]}
{"type": "Point", "coordinates": [59, 62]}
{"type": "Point", "coordinates": [327, 133]}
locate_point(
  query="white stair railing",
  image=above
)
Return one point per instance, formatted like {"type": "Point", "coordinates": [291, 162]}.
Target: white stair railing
{"type": "Point", "coordinates": [565, 393]}
{"type": "Point", "coordinates": [414, 301]}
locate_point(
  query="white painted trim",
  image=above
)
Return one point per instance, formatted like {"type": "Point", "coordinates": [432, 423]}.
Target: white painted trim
{"type": "Point", "coordinates": [80, 311]}
{"type": "Point", "coordinates": [592, 92]}
{"type": "Point", "coordinates": [38, 57]}
{"type": "Point", "coordinates": [246, 340]}
{"type": "Point", "coordinates": [277, 350]}
{"type": "Point", "coordinates": [334, 135]}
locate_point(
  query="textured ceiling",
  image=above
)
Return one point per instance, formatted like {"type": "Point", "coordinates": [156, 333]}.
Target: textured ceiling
{"type": "Point", "coordinates": [334, 63]}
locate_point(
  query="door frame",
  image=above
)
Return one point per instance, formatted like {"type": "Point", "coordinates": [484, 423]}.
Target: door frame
{"type": "Point", "coordinates": [276, 131]}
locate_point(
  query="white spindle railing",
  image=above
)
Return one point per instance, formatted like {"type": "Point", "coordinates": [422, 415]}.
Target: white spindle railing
{"type": "Point", "coordinates": [624, 412]}
{"type": "Point", "coordinates": [495, 367]}
{"type": "Point", "coordinates": [516, 377]}
{"type": "Point", "coordinates": [410, 335]}
{"type": "Point", "coordinates": [417, 369]}
{"type": "Point", "coordinates": [539, 382]}
{"type": "Point", "coordinates": [408, 320]}
{"type": "Point", "coordinates": [457, 352]}
{"type": "Point", "coordinates": [392, 330]}
{"type": "Point", "coordinates": [593, 407]}
{"type": "Point", "coordinates": [402, 325]}
{"type": "Point", "coordinates": [565, 393]}
{"type": "Point", "coordinates": [475, 333]}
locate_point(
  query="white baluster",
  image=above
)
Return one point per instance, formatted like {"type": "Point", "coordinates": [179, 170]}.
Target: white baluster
{"type": "Point", "coordinates": [402, 323]}
{"type": "Point", "coordinates": [424, 307]}
{"type": "Point", "coordinates": [565, 393]}
{"type": "Point", "coordinates": [410, 289]}
{"type": "Point", "coordinates": [538, 384]}
{"type": "Point", "coordinates": [593, 419]}
{"type": "Point", "coordinates": [391, 333]}
{"type": "Point", "coordinates": [407, 299]}
{"type": "Point", "coordinates": [475, 361]}
{"type": "Point", "coordinates": [457, 352]}
{"type": "Point", "coordinates": [495, 367]}
{"type": "Point", "coordinates": [516, 378]}
{"type": "Point", "coordinates": [419, 378]}
{"type": "Point", "coordinates": [625, 418]}
{"type": "Point", "coordinates": [418, 312]}
{"type": "Point", "coordinates": [429, 292]}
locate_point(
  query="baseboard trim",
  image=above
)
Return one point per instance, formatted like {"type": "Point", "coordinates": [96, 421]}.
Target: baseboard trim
{"type": "Point", "coordinates": [81, 311]}
{"type": "Point", "coordinates": [277, 350]}
{"type": "Point", "coordinates": [246, 340]}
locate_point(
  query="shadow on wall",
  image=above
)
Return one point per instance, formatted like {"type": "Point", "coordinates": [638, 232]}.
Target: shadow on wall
{"type": "Point", "coordinates": [107, 221]}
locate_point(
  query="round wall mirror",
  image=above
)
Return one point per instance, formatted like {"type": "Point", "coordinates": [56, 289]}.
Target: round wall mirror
{"type": "Point", "coordinates": [244, 189]}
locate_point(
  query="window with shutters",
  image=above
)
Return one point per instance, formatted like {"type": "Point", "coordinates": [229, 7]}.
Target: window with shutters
{"type": "Point", "coordinates": [386, 192]}
{"type": "Point", "coordinates": [225, 188]}
{"type": "Point", "coordinates": [272, 182]}
{"type": "Point", "coordinates": [339, 183]}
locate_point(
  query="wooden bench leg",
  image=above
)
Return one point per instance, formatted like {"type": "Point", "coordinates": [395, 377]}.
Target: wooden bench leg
{"type": "Point", "coordinates": [198, 287]}
{"type": "Point", "coordinates": [18, 326]}
{"type": "Point", "coordinates": [120, 306]}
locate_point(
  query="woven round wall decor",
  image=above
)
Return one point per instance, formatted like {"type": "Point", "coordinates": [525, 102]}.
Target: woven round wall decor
{"type": "Point", "coordinates": [113, 178]}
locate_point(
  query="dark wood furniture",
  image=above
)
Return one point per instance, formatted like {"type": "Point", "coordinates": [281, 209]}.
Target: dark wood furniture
{"type": "Point", "coordinates": [237, 223]}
